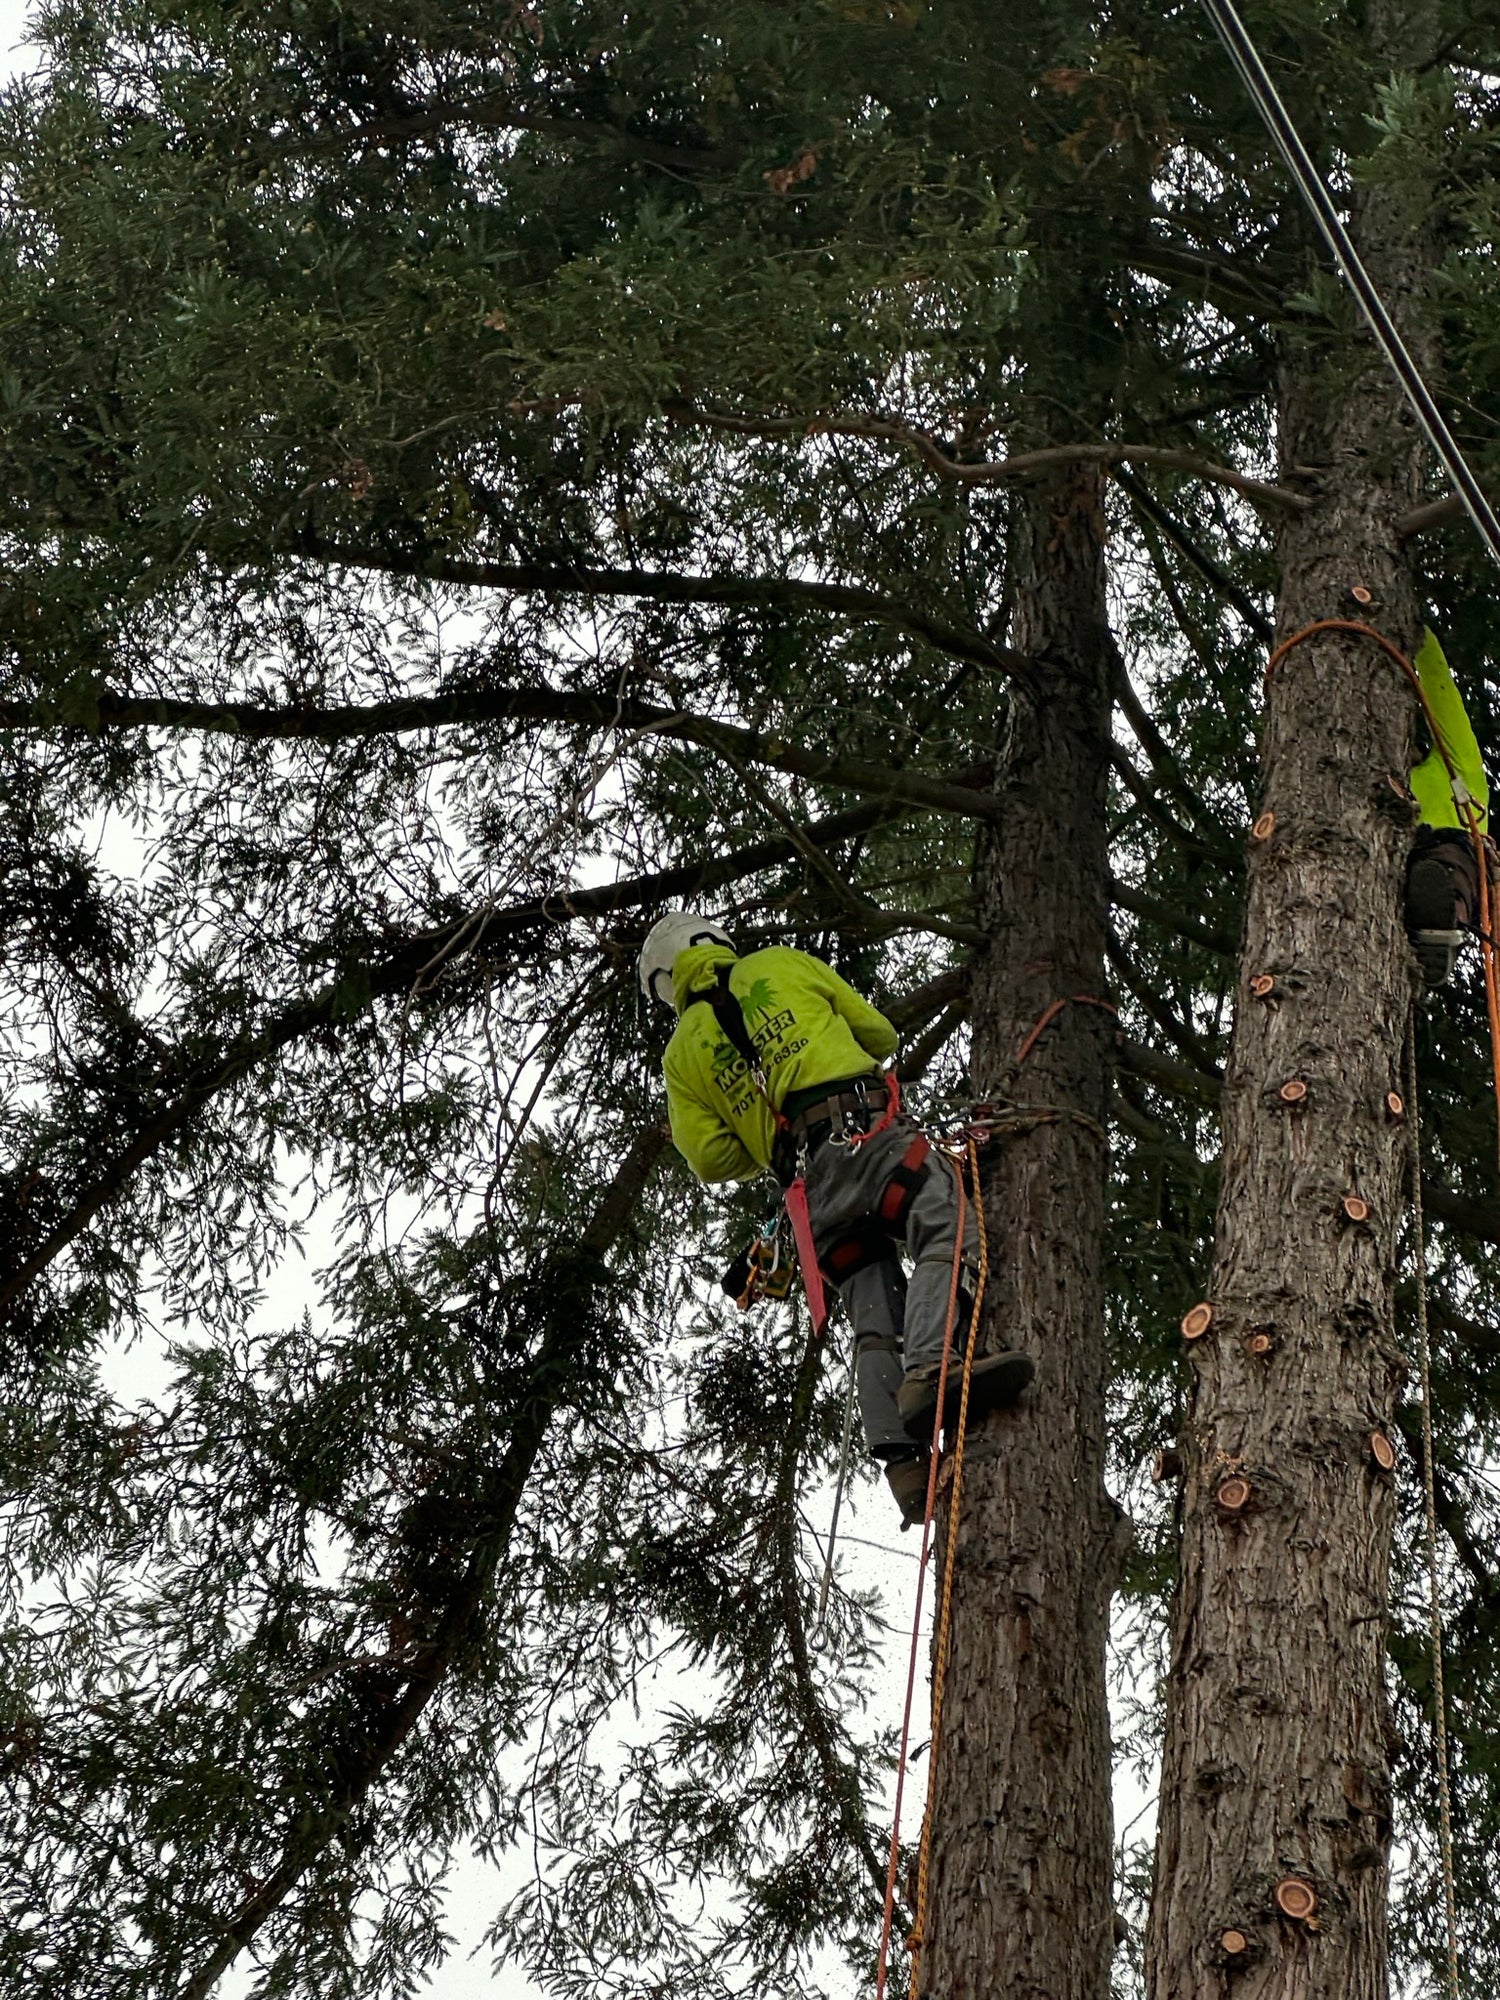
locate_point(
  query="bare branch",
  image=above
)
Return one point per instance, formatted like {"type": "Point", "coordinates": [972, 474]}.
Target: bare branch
{"type": "Point", "coordinates": [661, 587]}
{"type": "Point", "coordinates": [1436, 514]}
{"type": "Point", "coordinates": [313, 723]}
{"type": "Point", "coordinates": [990, 472]}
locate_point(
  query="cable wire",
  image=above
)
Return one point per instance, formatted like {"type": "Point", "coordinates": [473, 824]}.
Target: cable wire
{"type": "Point", "coordinates": [1309, 182]}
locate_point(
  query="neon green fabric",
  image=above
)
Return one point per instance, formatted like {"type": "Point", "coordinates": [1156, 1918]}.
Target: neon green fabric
{"type": "Point", "coordinates": [808, 1026]}
{"type": "Point", "coordinates": [1429, 780]}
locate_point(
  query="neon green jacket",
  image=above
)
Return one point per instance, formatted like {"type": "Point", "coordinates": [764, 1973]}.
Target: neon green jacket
{"type": "Point", "coordinates": [1429, 780]}
{"type": "Point", "coordinates": [808, 1026]}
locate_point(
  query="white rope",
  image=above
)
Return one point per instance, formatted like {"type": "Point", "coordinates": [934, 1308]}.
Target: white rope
{"type": "Point", "coordinates": [1429, 1495]}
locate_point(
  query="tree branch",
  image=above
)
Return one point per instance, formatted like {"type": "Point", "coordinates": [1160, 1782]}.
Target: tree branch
{"type": "Point", "coordinates": [1176, 921]}
{"type": "Point", "coordinates": [1436, 514]}
{"type": "Point", "coordinates": [770, 593]}
{"type": "Point", "coordinates": [990, 472]}
{"type": "Point", "coordinates": [382, 1734]}
{"type": "Point", "coordinates": [381, 975]}
{"type": "Point", "coordinates": [315, 723]}
{"type": "Point", "coordinates": [1186, 546]}
{"type": "Point", "coordinates": [1178, 1079]}
{"type": "Point", "coordinates": [510, 116]}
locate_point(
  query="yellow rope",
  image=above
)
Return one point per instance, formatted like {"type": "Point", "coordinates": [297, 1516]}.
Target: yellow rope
{"type": "Point", "coordinates": [950, 1550]}
{"type": "Point", "coordinates": [1429, 1494]}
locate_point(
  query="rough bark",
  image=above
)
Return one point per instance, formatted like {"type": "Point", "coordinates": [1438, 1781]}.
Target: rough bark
{"type": "Point", "coordinates": [1020, 1883]}
{"type": "Point", "coordinates": [1276, 1760]}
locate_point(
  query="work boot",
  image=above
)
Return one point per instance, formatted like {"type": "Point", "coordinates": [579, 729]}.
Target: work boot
{"type": "Point", "coordinates": [907, 1479]}
{"type": "Point", "coordinates": [996, 1381]}
{"type": "Point", "coordinates": [1442, 897]}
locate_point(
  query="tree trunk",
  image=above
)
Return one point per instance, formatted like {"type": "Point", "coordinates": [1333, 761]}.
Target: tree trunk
{"type": "Point", "coordinates": [1273, 1842]}
{"type": "Point", "coordinates": [1020, 1880]}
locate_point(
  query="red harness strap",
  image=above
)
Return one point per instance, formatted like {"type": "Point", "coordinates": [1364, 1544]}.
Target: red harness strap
{"type": "Point", "coordinates": [900, 1190]}
{"type": "Point", "coordinates": [807, 1254]}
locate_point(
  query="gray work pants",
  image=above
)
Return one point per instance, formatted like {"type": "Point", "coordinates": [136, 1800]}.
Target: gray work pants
{"type": "Point", "coordinates": [898, 1321]}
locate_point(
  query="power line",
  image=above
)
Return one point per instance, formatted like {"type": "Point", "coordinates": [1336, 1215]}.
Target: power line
{"type": "Point", "coordinates": [1253, 74]}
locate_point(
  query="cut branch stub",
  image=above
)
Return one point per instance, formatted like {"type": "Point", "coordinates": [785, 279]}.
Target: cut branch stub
{"type": "Point", "coordinates": [1197, 1321]}
{"type": "Point", "coordinates": [1264, 827]}
{"type": "Point", "coordinates": [1293, 1091]}
{"type": "Point", "coordinates": [1259, 1343]}
{"type": "Point", "coordinates": [1263, 985]}
{"type": "Point", "coordinates": [1356, 1208]}
{"type": "Point", "coordinates": [1233, 1943]}
{"type": "Point", "coordinates": [1234, 1494]}
{"type": "Point", "coordinates": [1363, 596]}
{"type": "Point", "coordinates": [1395, 1104]}
{"type": "Point", "coordinates": [1295, 1898]}
{"type": "Point", "coordinates": [1382, 1451]}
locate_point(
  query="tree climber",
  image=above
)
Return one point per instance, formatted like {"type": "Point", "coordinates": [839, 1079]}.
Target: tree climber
{"type": "Point", "coordinates": [1442, 874]}
{"type": "Point", "coordinates": [813, 1088]}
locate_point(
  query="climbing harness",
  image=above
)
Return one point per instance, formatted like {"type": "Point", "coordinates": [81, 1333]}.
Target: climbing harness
{"type": "Point", "coordinates": [730, 1016]}
{"type": "Point", "coordinates": [1429, 1522]}
{"type": "Point", "coordinates": [1309, 184]}
{"type": "Point", "coordinates": [795, 1201]}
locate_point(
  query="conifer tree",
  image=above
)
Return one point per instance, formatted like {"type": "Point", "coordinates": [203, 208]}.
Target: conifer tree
{"type": "Point", "coordinates": [449, 465]}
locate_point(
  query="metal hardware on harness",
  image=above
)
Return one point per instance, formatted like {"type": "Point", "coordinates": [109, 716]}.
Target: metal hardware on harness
{"type": "Point", "coordinates": [772, 1264]}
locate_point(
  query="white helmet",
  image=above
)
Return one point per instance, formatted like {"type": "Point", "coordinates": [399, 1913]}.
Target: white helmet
{"type": "Point", "coordinates": [667, 936]}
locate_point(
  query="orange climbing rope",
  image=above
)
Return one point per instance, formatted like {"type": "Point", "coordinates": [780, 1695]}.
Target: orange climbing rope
{"type": "Point", "coordinates": [1487, 946]}
{"type": "Point", "coordinates": [945, 1601]}
{"type": "Point", "coordinates": [943, 1635]}
{"type": "Point", "coordinates": [882, 1962]}
{"type": "Point", "coordinates": [1051, 1014]}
